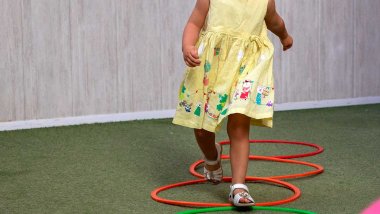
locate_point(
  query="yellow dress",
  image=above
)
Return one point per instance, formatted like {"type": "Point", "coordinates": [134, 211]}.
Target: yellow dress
{"type": "Point", "coordinates": [235, 75]}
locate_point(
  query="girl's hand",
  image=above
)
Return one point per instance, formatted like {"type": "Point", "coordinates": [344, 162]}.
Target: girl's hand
{"type": "Point", "coordinates": [190, 56]}
{"type": "Point", "coordinates": [287, 43]}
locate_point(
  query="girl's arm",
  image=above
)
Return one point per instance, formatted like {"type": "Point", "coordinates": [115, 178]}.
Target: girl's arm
{"type": "Point", "coordinates": [276, 24]}
{"type": "Point", "coordinates": [191, 33]}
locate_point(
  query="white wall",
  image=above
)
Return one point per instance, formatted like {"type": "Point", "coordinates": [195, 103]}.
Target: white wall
{"type": "Point", "coordinates": [67, 58]}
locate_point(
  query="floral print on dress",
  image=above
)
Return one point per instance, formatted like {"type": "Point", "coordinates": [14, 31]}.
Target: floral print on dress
{"type": "Point", "coordinates": [186, 105]}
{"type": "Point", "coordinates": [224, 112]}
{"type": "Point", "coordinates": [212, 116]}
{"type": "Point", "coordinates": [222, 102]}
{"type": "Point", "coordinates": [197, 111]}
{"type": "Point", "coordinates": [207, 68]}
{"type": "Point", "coordinates": [242, 69]}
{"type": "Point", "coordinates": [216, 51]}
{"type": "Point", "coordinates": [182, 94]}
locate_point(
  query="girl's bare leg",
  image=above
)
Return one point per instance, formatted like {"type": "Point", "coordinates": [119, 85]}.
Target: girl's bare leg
{"type": "Point", "coordinates": [206, 142]}
{"type": "Point", "coordinates": [238, 131]}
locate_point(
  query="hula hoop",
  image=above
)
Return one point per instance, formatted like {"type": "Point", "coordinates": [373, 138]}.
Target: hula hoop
{"type": "Point", "coordinates": [154, 193]}
{"type": "Point", "coordinates": [318, 168]}
{"type": "Point", "coordinates": [318, 151]}
{"type": "Point", "coordinates": [216, 209]}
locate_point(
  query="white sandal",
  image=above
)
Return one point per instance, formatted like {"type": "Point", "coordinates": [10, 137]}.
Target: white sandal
{"type": "Point", "coordinates": [215, 176]}
{"type": "Point", "coordinates": [235, 199]}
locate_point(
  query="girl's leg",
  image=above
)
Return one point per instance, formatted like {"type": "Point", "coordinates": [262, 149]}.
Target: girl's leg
{"type": "Point", "coordinates": [238, 131]}
{"type": "Point", "coordinates": [206, 142]}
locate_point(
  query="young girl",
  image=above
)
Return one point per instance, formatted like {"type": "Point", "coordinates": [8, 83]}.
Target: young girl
{"type": "Point", "coordinates": [229, 74]}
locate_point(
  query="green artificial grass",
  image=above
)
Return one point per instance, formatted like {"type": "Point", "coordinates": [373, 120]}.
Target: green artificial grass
{"type": "Point", "coordinates": [113, 167]}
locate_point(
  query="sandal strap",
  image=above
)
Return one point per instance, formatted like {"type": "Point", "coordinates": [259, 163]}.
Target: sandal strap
{"type": "Point", "coordinates": [211, 163]}
{"type": "Point", "coordinates": [235, 199]}
{"type": "Point", "coordinates": [216, 174]}
{"type": "Point", "coordinates": [214, 162]}
{"type": "Point", "coordinates": [238, 186]}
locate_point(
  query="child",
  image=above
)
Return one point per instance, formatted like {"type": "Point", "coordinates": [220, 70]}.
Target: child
{"type": "Point", "coordinates": [229, 74]}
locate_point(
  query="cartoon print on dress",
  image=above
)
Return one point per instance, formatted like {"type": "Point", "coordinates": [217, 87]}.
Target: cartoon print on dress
{"type": "Point", "coordinates": [269, 103]}
{"type": "Point", "coordinates": [258, 96]}
{"type": "Point", "coordinates": [236, 93]}
{"type": "Point", "coordinates": [262, 92]}
{"type": "Point", "coordinates": [265, 91]}
{"type": "Point", "coordinates": [246, 89]}
{"type": "Point", "coordinates": [222, 102]}
{"type": "Point", "coordinates": [216, 51]}
{"type": "Point", "coordinates": [187, 106]}
{"type": "Point", "coordinates": [198, 109]}
{"type": "Point", "coordinates": [241, 69]}
{"type": "Point", "coordinates": [207, 68]}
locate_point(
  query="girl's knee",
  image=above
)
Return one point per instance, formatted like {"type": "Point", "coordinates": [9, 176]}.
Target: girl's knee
{"type": "Point", "coordinates": [238, 127]}
{"type": "Point", "coordinates": [238, 120]}
{"type": "Point", "coordinates": [238, 133]}
{"type": "Point", "coordinates": [201, 133]}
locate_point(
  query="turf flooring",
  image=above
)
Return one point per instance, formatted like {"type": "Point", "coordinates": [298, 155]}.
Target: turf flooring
{"type": "Point", "coordinates": [113, 167]}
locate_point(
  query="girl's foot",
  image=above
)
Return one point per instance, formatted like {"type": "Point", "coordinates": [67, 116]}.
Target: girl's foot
{"type": "Point", "coordinates": [239, 196]}
{"type": "Point", "coordinates": [213, 171]}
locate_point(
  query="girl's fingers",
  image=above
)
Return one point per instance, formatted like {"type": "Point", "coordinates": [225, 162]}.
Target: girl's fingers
{"type": "Point", "coordinates": [196, 61]}
{"type": "Point", "coordinates": [193, 64]}
{"type": "Point", "coordinates": [194, 53]}
{"type": "Point", "coordinates": [190, 55]}
{"type": "Point", "coordinates": [192, 60]}
{"type": "Point", "coordinates": [189, 62]}
{"type": "Point", "coordinates": [286, 47]}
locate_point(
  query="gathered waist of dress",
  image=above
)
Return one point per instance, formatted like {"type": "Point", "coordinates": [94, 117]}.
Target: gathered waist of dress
{"type": "Point", "coordinates": [236, 34]}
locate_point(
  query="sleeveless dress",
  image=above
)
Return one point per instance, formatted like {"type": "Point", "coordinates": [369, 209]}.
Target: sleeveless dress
{"type": "Point", "coordinates": [235, 75]}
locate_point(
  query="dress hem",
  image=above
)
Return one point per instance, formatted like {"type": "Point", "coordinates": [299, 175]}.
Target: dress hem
{"type": "Point", "coordinates": [262, 120]}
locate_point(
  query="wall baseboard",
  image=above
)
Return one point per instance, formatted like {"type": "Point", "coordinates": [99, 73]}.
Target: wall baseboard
{"type": "Point", "coordinates": [327, 103]}
{"type": "Point", "coordinates": [104, 118]}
